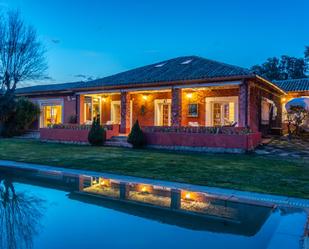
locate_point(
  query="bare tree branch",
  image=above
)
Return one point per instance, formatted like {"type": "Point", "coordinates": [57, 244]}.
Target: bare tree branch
{"type": "Point", "coordinates": [22, 56]}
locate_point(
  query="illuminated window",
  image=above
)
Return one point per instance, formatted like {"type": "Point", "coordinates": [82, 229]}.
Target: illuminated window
{"type": "Point", "coordinates": [52, 115]}
{"type": "Point", "coordinates": [91, 108]}
{"type": "Point", "coordinates": [221, 111]}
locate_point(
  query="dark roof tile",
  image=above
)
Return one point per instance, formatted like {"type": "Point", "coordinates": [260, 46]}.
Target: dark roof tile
{"type": "Point", "coordinates": [181, 68]}
{"type": "Point", "coordinates": [295, 85]}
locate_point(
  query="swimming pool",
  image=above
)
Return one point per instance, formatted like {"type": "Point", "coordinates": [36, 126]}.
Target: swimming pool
{"type": "Point", "coordinates": [47, 210]}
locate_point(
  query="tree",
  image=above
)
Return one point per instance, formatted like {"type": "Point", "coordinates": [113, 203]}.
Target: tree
{"type": "Point", "coordinates": [296, 115]}
{"type": "Point", "coordinates": [22, 58]}
{"type": "Point", "coordinates": [96, 135]}
{"type": "Point", "coordinates": [307, 52]}
{"type": "Point", "coordinates": [20, 119]}
{"type": "Point", "coordinates": [20, 214]}
{"type": "Point", "coordinates": [269, 69]}
{"type": "Point", "coordinates": [283, 68]}
{"type": "Point", "coordinates": [136, 136]}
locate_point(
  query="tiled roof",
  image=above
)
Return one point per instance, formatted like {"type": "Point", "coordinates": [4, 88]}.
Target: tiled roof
{"type": "Point", "coordinates": [181, 68]}
{"type": "Point", "coordinates": [296, 85]}
{"type": "Point", "coordinates": [51, 87]}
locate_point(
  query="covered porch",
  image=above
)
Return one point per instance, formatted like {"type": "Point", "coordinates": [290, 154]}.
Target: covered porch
{"type": "Point", "coordinates": [210, 105]}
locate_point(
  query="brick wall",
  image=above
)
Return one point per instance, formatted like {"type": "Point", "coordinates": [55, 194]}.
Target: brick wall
{"type": "Point", "coordinates": [256, 92]}
{"type": "Point", "coordinates": [106, 107]}
{"type": "Point", "coordinates": [69, 106]}
{"type": "Point", "coordinates": [199, 98]}
{"type": "Point", "coordinates": [144, 110]}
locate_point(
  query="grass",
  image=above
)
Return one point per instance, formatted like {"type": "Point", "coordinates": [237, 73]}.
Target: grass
{"type": "Point", "coordinates": [266, 174]}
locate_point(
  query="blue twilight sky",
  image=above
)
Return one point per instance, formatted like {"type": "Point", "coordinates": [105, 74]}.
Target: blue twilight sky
{"type": "Point", "coordinates": [96, 38]}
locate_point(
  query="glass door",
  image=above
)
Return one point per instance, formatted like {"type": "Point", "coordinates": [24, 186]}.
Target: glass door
{"type": "Point", "coordinates": [223, 113]}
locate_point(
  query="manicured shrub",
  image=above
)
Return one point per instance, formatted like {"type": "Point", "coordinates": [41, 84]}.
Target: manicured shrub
{"type": "Point", "coordinates": [136, 136]}
{"type": "Point", "coordinates": [73, 119]}
{"type": "Point", "coordinates": [96, 135]}
{"type": "Point", "coordinates": [21, 118]}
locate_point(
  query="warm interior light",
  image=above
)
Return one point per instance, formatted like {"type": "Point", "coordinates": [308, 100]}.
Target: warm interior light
{"type": "Point", "coordinates": [283, 99]}
{"type": "Point", "coordinates": [188, 196]}
{"type": "Point", "coordinates": [104, 99]}
{"type": "Point", "coordinates": [189, 95]}
{"type": "Point", "coordinates": [144, 189]}
{"type": "Point", "coordinates": [145, 97]}
{"type": "Point", "coordinates": [103, 182]}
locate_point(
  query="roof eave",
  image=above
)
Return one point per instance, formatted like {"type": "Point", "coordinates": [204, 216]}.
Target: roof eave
{"type": "Point", "coordinates": [271, 84]}
{"type": "Point", "coordinates": [149, 84]}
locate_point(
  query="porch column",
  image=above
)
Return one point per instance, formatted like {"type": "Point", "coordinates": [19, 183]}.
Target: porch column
{"type": "Point", "coordinates": [243, 105]}
{"type": "Point", "coordinates": [80, 108]}
{"type": "Point", "coordinates": [176, 107]}
{"type": "Point", "coordinates": [125, 112]}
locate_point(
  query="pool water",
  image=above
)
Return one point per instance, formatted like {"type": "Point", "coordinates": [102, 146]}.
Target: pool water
{"type": "Point", "coordinates": [40, 215]}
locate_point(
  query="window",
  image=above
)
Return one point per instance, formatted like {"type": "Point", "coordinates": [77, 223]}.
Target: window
{"type": "Point", "coordinates": [221, 111]}
{"type": "Point", "coordinates": [52, 114]}
{"type": "Point", "coordinates": [92, 108]}
{"type": "Point", "coordinates": [192, 110]}
{"type": "Point", "coordinates": [186, 62]}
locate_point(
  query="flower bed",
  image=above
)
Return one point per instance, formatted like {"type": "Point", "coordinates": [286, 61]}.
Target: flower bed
{"type": "Point", "coordinates": [74, 133]}
{"type": "Point", "coordinates": [216, 139]}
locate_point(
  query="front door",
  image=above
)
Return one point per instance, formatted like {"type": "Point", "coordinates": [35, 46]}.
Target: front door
{"type": "Point", "coordinates": [162, 112]}
{"type": "Point", "coordinates": [221, 113]}
{"type": "Point", "coordinates": [165, 114]}
{"type": "Point", "coordinates": [115, 112]}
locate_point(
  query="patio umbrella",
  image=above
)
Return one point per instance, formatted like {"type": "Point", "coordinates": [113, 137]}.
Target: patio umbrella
{"type": "Point", "coordinates": [303, 102]}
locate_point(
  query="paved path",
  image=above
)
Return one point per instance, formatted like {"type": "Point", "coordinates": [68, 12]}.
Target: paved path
{"type": "Point", "coordinates": [296, 148]}
{"type": "Point", "coordinates": [220, 192]}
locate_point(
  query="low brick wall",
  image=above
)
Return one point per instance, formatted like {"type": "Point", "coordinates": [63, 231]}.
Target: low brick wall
{"type": "Point", "coordinates": [74, 133]}
{"type": "Point", "coordinates": [207, 142]}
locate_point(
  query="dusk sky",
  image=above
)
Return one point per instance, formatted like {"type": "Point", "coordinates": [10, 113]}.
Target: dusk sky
{"type": "Point", "coordinates": [97, 38]}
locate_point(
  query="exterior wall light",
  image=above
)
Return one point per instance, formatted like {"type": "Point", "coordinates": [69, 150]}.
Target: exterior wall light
{"type": "Point", "coordinates": [189, 95]}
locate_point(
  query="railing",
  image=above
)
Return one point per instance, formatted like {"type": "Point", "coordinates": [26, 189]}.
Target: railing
{"type": "Point", "coordinates": [201, 130]}
{"type": "Point", "coordinates": [79, 126]}
{"type": "Point", "coordinates": [74, 133]}
{"type": "Point", "coordinates": [212, 139]}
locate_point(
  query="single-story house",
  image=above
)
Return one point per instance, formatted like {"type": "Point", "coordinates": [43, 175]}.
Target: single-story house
{"type": "Point", "coordinates": [181, 99]}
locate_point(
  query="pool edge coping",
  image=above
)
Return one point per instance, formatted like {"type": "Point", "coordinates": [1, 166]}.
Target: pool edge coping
{"type": "Point", "coordinates": [230, 194]}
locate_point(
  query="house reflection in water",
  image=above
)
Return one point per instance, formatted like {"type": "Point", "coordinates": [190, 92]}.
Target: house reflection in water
{"type": "Point", "coordinates": [193, 210]}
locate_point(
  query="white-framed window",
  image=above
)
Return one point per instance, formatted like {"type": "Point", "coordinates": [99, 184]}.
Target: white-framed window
{"type": "Point", "coordinates": [51, 112]}
{"type": "Point", "coordinates": [162, 115]}
{"type": "Point", "coordinates": [92, 108]}
{"type": "Point", "coordinates": [221, 111]}
{"type": "Point", "coordinates": [116, 112]}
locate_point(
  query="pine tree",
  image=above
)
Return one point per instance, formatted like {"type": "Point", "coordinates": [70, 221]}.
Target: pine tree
{"type": "Point", "coordinates": [136, 136]}
{"type": "Point", "coordinates": [96, 136]}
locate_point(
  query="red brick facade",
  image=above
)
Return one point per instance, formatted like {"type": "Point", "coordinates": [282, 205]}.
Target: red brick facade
{"type": "Point", "coordinates": [140, 105]}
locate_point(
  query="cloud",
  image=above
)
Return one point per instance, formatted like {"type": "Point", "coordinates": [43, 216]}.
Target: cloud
{"type": "Point", "coordinates": [48, 78]}
{"type": "Point", "coordinates": [80, 76]}
{"type": "Point", "coordinates": [56, 41]}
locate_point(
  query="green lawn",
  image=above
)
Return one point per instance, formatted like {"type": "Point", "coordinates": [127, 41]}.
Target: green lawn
{"type": "Point", "coordinates": [265, 174]}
